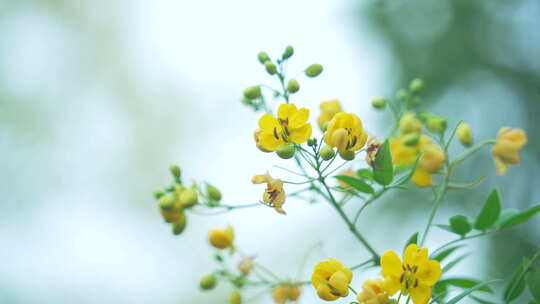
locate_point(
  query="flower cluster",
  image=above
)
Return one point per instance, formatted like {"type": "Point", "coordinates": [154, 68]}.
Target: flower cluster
{"type": "Point", "coordinates": [416, 150]}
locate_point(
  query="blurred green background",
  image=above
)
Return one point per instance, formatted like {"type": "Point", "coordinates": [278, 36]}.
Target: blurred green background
{"type": "Point", "coordinates": [98, 97]}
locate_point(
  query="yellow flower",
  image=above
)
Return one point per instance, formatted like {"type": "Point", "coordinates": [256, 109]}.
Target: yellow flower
{"type": "Point", "coordinates": [372, 292]}
{"type": "Point", "coordinates": [274, 195]}
{"type": "Point", "coordinates": [328, 110]}
{"type": "Point", "coordinates": [331, 280]}
{"type": "Point", "coordinates": [506, 149]}
{"type": "Point", "coordinates": [345, 132]}
{"type": "Point", "coordinates": [409, 124]}
{"type": "Point", "coordinates": [431, 161]}
{"type": "Point", "coordinates": [415, 276]}
{"type": "Point", "coordinates": [289, 127]}
{"type": "Point", "coordinates": [221, 239]}
{"type": "Point", "coordinates": [286, 292]}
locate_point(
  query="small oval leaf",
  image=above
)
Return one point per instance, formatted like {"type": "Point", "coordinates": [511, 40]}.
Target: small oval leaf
{"type": "Point", "coordinates": [356, 183]}
{"type": "Point", "coordinates": [460, 225]}
{"type": "Point", "coordinates": [383, 171]}
{"type": "Point", "coordinates": [490, 212]}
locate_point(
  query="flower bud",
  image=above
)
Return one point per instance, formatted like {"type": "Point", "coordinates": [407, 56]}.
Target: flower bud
{"type": "Point", "coordinates": [325, 126]}
{"type": "Point", "coordinates": [464, 134]}
{"type": "Point", "coordinates": [402, 94]}
{"type": "Point", "coordinates": [432, 160]}
{"type": "Point", "coordinates": [213, 192]}
{"type": "Point", "coordinates": [293, 86]}
{"type": "Point", "coordinates": [253, 92]}
{"type": "Point", "coordinates": [180, 224]}
{"type": "Point", "coordinates": [285, 151]}
{"type": "Point", "coordinates": [189, 198]}
{"type": "Point", "coordinates": [416, 85]}
{"type": "Point", "coordinates": [171, 216]}
{"type": "Point", "coordinates": [378, 103]}
{"type": "Point", "coordinates": [289, 51]}
{"type": "Point", "coordinates": [246, 265]}
{"type": "Point", "coordinates": [247, 101]}
{"type": "Point", "coordinates": [166, 202]}
{"type": "Point", "coordinates": [327, 153]}
{"type": "Point", "coordinates": [409, 124]}
{"type": "Point", "coordinates": [158, 194]}
{"type": "Point", "coordinates": [347, 155]}
{"type": "Point", "coordinates": [411, 139]}
{"type": "Point", "coordinates": [235, 298]}
{"type": "Point", "coordinates": [263, 57]}
{"type": "Point", "coordinates": [314, 70]}
{"type": "Point", "coordinates": [437, 124]}
{"type": "Point", "coordinates": [208, 282]}
{"type": "Point", "coordinates": [175, 170]}
{"type": "Point", "coordinates": [270, 67]}
{"type": "Point", "coordinates": [221, 239]}
{"type": "Point", "coordinates": [312, 142]}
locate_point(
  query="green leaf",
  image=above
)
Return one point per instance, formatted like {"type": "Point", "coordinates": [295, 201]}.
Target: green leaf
{"type": "Point", "coordinates": [412, 240]}
{"type": "Point", "coordinates": [365, 173]}
{"type": "Point", "coordinates": [440, 291]}
{"type": "Point", "coordinates": [517, 284]}
{"type": "Point", "coordinates": [409, 175]}
{"type": "Point", "coordinates": [505, 215]}
{"type": "Point", "coordinates": [356, 183]}
{"type": "Point", "coordinates": [490, 212]}
{"type": "Point", "coordinates": [453, 263]}
{"type": "Point", "coordinates": [445, 253]}
{"type": "Point", "coordinates": [383, 173]}
{"type": "Point", "coordinates": [465, 293]}
{"type": "Point", "coordinates": [520, 217]}
{"type": "Point", "coordinates": [533, 282]}
{"type": "Point", "coordinates": [482, 301]}
{"type": "Point", "coordinates": [460, 224]}
{"type": "Point", "coordinates": [464, 283]}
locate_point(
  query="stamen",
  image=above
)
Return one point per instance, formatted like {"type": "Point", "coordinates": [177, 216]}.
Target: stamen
{"type": "Point", "coordinates": [354, 141]}
{"type": "Point", "coordinates": [403, 266]}
{"type": "Point", "coordinates": [415, 268]}
{"type": "Point", "coordinates": [286, 130]}
{"type": "Point", "coordinates": [415, 283]}
{"type": "Point", "coordinates": [275, 133]}
{"type": "Point", "coordinates": [407, 284]}
{"type": "Point", "coordinates": [401, 277]}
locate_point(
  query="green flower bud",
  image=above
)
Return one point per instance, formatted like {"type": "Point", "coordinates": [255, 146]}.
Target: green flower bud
{"type": "Point", "coordinates": [263, 57]}
{"type": "Point", "coordinates": [289, 51]}
{"type": "Point", "coordinates": [247, 101]}
{"type": "Point", "coordinates": [285, 151]}
{"type": "Point", "coordinates": [314, 70]}
{"type": "Point", "coordinates": [347, 155]}
{"type": "Point", "coordinates": [464, 134]}
{"type": "Point", "coordinates": [218, 257]}
{"type": "Point", "coordinates": [270, 67]}
{"type": "Point", "coordinates": [189, 198]}
{"type": "Point", "coordinates": [158, 194]}
{"type": "Point", "coordinates": [180, 224]}
{"type": "Point", "coordinates": [411, 139]}
{"type": "Point", "coordinates": [213, 192]}
{"type": "Point", "coordinates": [437, 124]}
{"type": "Point", "coordinates": [378, 103]}
{"type": "Point", "coordinates": [235, 298]}
{"type": "Point", "coordinates": [175, 170]}
{"type": "Point", "coordinates": [416, 85]}
{"type": "Point", "coordinates": [402, 94]}
{"type": "Point", "coordinates": [424, 116]}
{"type": "Point", "coordinates": [312, 142]}
{"type": "Point", "coordinates": [253, 92]}
{"type": "Point", "coordinates": [208, 282]}
{"type": "Point", "coordinates": [293, 86]}
{"type": "Point", "coordinates": [327, 153]}
{"type": "Point", "coordinates": [325, 126]}
{"type": "Point", "coordinates": [166, 202]}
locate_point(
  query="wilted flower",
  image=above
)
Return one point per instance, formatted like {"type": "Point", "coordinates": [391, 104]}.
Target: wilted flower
{"type": "Point", "coordinates": [274, 195]}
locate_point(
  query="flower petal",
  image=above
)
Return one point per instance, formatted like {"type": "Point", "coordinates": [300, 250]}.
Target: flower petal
{"type": "Point", "coordinates": [391, 285]}
{"type": "Point", "coordinates": [323, 291]}
{"type": "Point", "coordinates": [299, 118]}
{"type": "Point", "coordinates": [391, 264]}
{"type": "Point", "coordinates": [429, 272]}
{"type": "Point", "coordinates": [268, 122]}
{"type": "Point", "coordinates": [422, 178]}
{"type": "Point", "coordinates": [415, 255]}
{"type": "Point", "coordinates": [421, 294]}
{"type": "Point", "coordinates": [339, 284]}
{"type": "Point", "coordinates": [268, 141]}
{"type": "Point", "coordinates": [287, 111]}
{"type": "Point", "coordinates": [301, 135]}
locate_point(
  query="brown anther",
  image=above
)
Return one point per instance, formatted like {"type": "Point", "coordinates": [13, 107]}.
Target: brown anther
{"type": "Point", "coordinates": [401, 278]}
{"type": "Point", "coordinates": [354, 141]}
{"type": "Point", "coordinates": [415, 283]}
{"type": "Point", "coordinates": [286, 130]}
{"type": "Point", "coordinates": [403, 266]}
{"type": "Point", "coordinates": [407, 284]}
{"type": "Point", "coordinates": [276, 134]}
{"type": "Point", "coordinates": [415, 268]}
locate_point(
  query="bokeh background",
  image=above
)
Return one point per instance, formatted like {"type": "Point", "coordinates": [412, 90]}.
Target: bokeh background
{"type": "Point", "coordinates": [98, 98]}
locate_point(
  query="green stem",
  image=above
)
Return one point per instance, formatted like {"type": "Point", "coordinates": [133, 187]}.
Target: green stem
{"type": "Point", "coordinates": [348, 222]}
{"type": "Point", "coordinates": [438, 199]}
{"type": "Point", "coordinates": [375, 196]}
{"type": "Point", "coordinates": [461, 239]}
{"type": "Point", "coordinates": [471, 151]}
